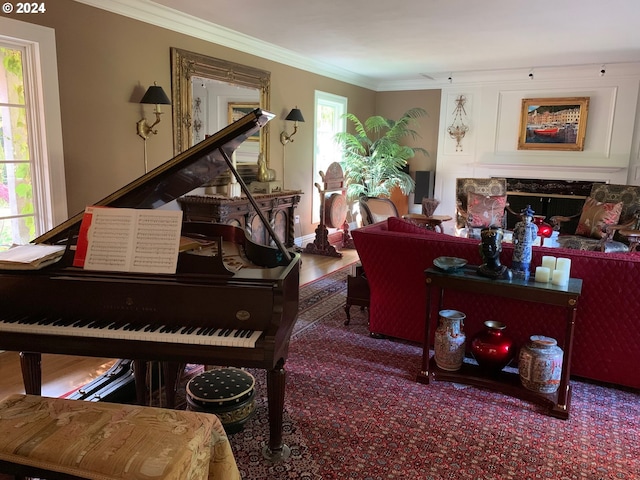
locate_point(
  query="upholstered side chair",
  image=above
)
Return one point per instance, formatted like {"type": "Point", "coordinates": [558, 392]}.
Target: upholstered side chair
{"type": "Point", "coordinates": [608, 212]}
{"type": "Point", "coordinates": [480, 202]}
{"type": "Point", "coordinates": [376, 209]}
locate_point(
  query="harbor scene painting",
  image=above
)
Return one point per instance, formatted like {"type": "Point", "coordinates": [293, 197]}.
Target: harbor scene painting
{"type": "Point", "coordinates": [553, 123]}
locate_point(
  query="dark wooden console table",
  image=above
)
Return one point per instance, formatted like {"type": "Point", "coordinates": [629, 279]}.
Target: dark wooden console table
{"type": "Point", "coordinates": [467, 280]}
{"type": "Point", "coordinates": [278, 208]}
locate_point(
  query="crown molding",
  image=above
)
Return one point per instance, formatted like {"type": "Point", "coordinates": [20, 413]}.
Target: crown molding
{"type": "Point", "coordinates": [152, 13]}
{"type": "Point", "coordinates": [149, 12]}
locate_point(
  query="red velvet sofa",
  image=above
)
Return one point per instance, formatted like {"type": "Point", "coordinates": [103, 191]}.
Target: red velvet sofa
{"type": "Point", "coordinates": [606, 344]}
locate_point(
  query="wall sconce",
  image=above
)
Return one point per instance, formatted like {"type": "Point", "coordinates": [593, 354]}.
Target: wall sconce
{"type": "Point", "coordinates": [295, 116]}
{"type": "Point", "coordinates": [154, 95]}
{"type": "Point", "coordinates": [458, 129]}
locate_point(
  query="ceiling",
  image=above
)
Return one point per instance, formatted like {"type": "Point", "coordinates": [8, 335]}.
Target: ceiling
{"type": "Point", "coordinates": [378, 43]}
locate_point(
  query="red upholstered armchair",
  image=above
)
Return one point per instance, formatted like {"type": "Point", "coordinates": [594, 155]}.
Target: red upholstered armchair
{"type": "Point", "coordinates": [607, 210]}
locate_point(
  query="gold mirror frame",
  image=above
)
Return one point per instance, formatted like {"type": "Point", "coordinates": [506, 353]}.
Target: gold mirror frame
{"type": "Point", "coordinates": [184, 66]}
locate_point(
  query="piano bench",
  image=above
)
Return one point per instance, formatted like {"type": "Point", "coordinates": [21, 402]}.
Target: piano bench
{"type": "Point", "coordinates": [74, 439]}
{"type": "Point", "coordinates": [226, 392]}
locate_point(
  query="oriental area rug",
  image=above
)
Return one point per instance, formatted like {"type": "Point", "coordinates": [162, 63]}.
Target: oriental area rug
{"type": "Point", "coordinates": [353, 410]}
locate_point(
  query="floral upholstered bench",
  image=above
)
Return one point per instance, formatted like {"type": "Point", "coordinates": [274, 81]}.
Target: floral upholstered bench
{"type": "Point", "coordinates": [74, 439]}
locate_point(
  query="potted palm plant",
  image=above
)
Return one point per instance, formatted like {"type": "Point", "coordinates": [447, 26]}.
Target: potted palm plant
{"type": "Point", "coordinates": [374, 159]}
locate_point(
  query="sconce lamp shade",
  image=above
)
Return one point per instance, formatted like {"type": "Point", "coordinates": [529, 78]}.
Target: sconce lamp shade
{"type": "Point", "coordinates": [295, 115]}
{"type": "Point", "coordinates": [155, 94]}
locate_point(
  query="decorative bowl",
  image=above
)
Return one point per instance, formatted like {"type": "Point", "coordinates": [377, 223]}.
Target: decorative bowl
{"type": "Point", "coordinates": [449, 263]}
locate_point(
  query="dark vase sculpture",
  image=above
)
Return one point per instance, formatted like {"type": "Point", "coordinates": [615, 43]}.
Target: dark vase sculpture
{"type": "Point", "coordinates": [492, 348]}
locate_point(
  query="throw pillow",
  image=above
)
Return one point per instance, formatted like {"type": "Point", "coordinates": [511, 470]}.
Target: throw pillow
{"type": "Point", "coordinates": [596, 216]}
{"type": "Point", "coordinates": [484, 211]}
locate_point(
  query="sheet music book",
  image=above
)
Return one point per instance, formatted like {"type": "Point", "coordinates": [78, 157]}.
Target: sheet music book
{"type": "Point", "coordinates": [31, 256]}
{"type": "Point", "coordinates": [129, 240]}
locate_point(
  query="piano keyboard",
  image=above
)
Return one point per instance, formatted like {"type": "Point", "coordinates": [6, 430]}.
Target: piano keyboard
{"type": "Point", "coordinates": [122, 330]}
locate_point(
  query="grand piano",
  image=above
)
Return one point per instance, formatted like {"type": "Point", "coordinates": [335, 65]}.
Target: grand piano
{"type": "Point", "coordinates": [206, 313]}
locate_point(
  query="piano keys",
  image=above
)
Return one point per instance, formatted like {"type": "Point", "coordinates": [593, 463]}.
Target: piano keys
{"type": "Point", "coordinates": [87, 328]}
{"type": "Point", "coordinates": [207, 313]}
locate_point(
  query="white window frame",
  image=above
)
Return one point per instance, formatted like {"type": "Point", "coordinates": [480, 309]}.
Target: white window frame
{"type": "Point", "coordinates": [339, 103]}
{"type": "Point", "coordinates": [44, 120]}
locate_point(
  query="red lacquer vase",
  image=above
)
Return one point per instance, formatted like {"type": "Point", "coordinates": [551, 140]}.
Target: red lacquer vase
{"type": "Point", "coordinates": [492, 348]}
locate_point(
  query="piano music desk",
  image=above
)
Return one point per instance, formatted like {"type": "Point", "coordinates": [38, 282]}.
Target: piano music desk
{"type": "Point", "coordinates": [74, 439]}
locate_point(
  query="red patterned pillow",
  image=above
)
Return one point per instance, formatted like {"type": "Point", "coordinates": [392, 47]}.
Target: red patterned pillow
{"type": "Point", "coordinates": [484, 211]}
{"type": "Point", "coordinates": [596, 216]}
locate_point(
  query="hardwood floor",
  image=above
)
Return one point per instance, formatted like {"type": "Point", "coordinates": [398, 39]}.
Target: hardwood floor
{"type": "Point", "coordinates": [62, 374]}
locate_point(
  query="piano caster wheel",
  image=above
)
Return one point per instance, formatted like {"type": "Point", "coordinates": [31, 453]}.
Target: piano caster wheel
{"type": "Point", "coordinates": [278, 455]}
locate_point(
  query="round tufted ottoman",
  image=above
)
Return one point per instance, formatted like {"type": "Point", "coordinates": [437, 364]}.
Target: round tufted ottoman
{"type": "Point", "coordinates": [227, 392]}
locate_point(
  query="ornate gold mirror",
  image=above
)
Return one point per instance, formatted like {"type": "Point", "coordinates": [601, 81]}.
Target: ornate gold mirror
{"type": "Point", "coordinates": [209, 93]}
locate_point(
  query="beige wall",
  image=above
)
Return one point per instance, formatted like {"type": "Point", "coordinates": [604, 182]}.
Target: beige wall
{"type": "Point", "coordinates": [106, 62]}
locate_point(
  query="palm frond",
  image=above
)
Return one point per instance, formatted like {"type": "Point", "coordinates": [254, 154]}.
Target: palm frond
{"type": "Point", "coordinates": [374, 159]}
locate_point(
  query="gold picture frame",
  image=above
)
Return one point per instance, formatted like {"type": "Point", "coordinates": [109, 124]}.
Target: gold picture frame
{"type": "Point", "coordinates": [237, 110]}
{"type": "Point", "coordinates": [553, 123]}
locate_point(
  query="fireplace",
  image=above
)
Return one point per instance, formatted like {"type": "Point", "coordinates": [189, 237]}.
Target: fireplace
{"type": "Point", "coordinates": [548, 198]}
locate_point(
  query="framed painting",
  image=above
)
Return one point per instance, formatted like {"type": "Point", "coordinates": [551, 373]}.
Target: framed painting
{"type": "Point", "coordinates": [237, 111]}
{"type": "Point", "coordinates": [553, 123]}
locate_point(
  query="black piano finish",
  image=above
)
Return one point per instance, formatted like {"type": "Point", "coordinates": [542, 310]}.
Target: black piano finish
{"type": "Point", "coordinates": [202, 292]}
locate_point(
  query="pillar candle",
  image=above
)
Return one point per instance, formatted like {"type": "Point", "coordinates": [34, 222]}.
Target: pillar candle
{"type": "Point", "coordinates": [549, 262]}
{"type": "Point", "coordinates": [560, 278]}
{"type": "Point", "coordinates": [542, 274]}
{"type": "Point", "coordinates": [564, 264]}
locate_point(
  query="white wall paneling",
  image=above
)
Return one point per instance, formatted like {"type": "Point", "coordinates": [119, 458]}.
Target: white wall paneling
{"type": "Point", "coordinates": [491, 146]}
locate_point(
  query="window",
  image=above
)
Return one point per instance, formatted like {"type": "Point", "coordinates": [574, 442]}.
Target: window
{"type": "Point", "coordinates": [16, 192]}
{"type": "Point", "coordinates": [329, 114]}
{"type": "Point", "coordinates": [32, 187]}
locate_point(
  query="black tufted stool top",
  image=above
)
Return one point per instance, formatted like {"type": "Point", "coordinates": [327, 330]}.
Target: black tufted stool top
{"type": "Point", "coordinates": [227, 392]}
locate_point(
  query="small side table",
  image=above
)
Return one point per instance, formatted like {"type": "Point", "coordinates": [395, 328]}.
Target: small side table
{"type": "Point", "coordinates": [357, 292]}
{"type": "Point", "coordinates": [434, 222]}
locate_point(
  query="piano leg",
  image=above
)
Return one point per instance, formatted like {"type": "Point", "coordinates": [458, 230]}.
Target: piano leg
{"type": "Point", "coordinates": [140, 377]}
{"type": "Point", "coordinates": [31, 365]}
{"type": "Point", "coordinates": [170, 375]}
{"type": "Point", "coordinates": [276, 450]}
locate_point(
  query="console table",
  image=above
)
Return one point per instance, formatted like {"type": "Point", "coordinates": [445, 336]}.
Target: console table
{"type": "Point", "coordinates": [467, 280]}
{"type": "Point", "coordinates": [278, 208]}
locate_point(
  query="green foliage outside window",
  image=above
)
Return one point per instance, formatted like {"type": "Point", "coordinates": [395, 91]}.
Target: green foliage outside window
{"type": "Point", "coordinates": [16, 189]}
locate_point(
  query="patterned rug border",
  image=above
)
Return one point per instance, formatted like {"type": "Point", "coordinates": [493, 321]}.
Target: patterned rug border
{"type": "Point", "coordinates": [320, 298]}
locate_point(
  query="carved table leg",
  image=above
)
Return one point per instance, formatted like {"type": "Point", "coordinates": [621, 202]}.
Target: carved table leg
{"type": "Point", "coordinates": [31, 365]}
{"type": "Point", "coordinates": [347, 310]}
{"type": "Point", "coordinates": [276, 449]}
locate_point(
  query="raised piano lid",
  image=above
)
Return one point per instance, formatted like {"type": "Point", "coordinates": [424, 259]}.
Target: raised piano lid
{"type": "Point", "coordinates": [191, 169]}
